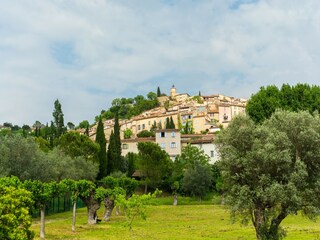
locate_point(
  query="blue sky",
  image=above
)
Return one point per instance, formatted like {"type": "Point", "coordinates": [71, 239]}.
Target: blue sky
{"type": "Point", "coordinates": [86, 53]}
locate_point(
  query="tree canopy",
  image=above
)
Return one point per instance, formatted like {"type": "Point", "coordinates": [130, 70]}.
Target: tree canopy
{"type": "Point", "coordinates": [129, 107]}
{"type": "Point", "coordinates": [271, 170]}
{"type": "Point", "coordinates": [292, 98]}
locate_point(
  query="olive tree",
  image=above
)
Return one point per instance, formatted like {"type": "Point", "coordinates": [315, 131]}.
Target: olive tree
{"type": "Point", "coordinates": [271, 170]}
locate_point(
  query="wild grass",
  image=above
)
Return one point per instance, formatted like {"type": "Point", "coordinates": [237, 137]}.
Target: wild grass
{"type": "Point", "coordinates": [170, 222]}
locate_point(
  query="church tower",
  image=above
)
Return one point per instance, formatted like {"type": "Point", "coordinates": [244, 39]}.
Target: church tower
{"type": "Point", "coordinates": [173, 92]}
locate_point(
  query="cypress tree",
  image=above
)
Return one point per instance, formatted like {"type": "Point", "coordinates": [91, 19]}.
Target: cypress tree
{"type": "Point", "coordinates": [172, 125]}
{"type": "Point", "coordinates": [111, 154]}
{"type": "Point", "coordinates": [168, 123]}
{"type": "Point", "coordinates": [117, 143]}
{"type": "Point", "coordinates": [158, 92]}
{"type": "Point", "coordinates": [115, 160]}
{"type": "Point", "coordinates": [102, 154]}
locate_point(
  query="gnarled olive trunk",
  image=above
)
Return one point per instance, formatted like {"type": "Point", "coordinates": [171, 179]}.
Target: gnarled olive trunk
{"type": "Point", "coordinates": [109, 206]}
{"type": "Point", "coordinates": [175, 200]}
{"type": "Point", "coordinates": [266, 229]}
{"type": "Point", "coordinates": [92, 206]}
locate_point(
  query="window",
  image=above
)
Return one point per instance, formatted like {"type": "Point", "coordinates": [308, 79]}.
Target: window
{"type": "Point", "coordinates": [143, 126]}
{"type": "Point", "coordinates": [173, 134]}
{"type": "Point", "coordinates": [212, 153]}
{"type": "Point", "coordinates": [173, 145]}
{"type": "Point", "coordinates": [162, 134]}
{"type": "Point", "coordinates": [124, 146]}
{"type": "Point", "coordinates": [211, 114]}
{"type": "Point", "coordinates": [138, 127]}
{"type": "Point", "coordinates": [162, 145]}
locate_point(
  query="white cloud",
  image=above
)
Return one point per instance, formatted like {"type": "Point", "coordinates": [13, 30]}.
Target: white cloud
{"type": "Point", "coordinates": [88, 52]}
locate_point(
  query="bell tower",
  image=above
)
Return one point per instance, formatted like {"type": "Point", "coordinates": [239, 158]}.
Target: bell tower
{"type": "Point", "coordinates": [173, 92]}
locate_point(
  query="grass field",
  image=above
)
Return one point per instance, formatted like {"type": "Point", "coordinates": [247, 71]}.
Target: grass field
{"type": "Point", "coordinates": [169, 222]}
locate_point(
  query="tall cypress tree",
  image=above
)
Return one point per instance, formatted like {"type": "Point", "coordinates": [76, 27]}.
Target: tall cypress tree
{"type": "Point", "coordinates": [117, 141]}
{"type": "Point", "coordinates": [158, 92]}
{"type": "Point", "coordinates": [115, 160]}
{"type": "Point", "coordinates": [111, 155]}
{"type": "Point", "coordinates": [102, 155]}
{"type": "Point", "coordinates": [168, 123]}
{"type": "Point", "coordinates": [172, 125]}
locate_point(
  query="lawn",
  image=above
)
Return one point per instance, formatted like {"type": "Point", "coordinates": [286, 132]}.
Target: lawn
{"type": "Point", "coordinates": [169, 222]}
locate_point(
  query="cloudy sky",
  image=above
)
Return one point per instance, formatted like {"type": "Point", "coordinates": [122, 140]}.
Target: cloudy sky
{"type": "Point", "coordinates": [87, 52]}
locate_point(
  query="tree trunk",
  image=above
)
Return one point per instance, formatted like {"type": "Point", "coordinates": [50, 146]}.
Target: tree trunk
{"type": "Point", "coordinates": [175, 200]}
{"type": "Point", "coordinates": [42, 221]}
{"type": "Point", "coordinates": [109, 206]}
{"type": "Point", "coordinates": [92, 206]}
{"type": "Point", "coordinates": [258, 222]}
{"type": "Point", "coordinates": [74, 216]}
{"type": "Point", "coordinates": [145, 187]}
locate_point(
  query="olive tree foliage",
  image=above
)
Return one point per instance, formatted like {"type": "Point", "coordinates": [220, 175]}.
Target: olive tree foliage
{"type": "Point", "coordinates": [15, 205]}
{"type": "Point", "coordinates": [271, 170]}
{"type": "Point", "coordinates": [23, 158]}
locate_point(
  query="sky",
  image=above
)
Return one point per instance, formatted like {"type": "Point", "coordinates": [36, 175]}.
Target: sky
{"type": "Point", "coordinates": [88, 52]}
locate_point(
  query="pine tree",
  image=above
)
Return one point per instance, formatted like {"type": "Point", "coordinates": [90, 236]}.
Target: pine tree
{"type": "Point", "coordinates": [102, 155]}
{"type": "Point", "coordinates": [158, 92]}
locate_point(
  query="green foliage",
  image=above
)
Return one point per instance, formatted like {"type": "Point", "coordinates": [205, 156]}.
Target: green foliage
{"type": "Point", "coordinates": [115, 161]}
{"type": "Point", "coordinates": [135, 206]}
{"type": "Point", "coordinates": [169, 123]}
{"type": "Point", "coordinates": [129, 107]}
{"type": "Point", "coordinates": [127, 133]}
{"type": "Point", "coordinates": [15, 205]}
{"type": "Point", "coordinates": [198, 99]}
{"type": "Point", "coordinates": [145, 134]}
{"type": "Point", "coordinates": [155, 164]}
{"type": "Point", "coordinates": [293, 98]}
{"type": "Point", "coordinates": [132, 159]}
{"type": "Point", "coordinates": [84, 124]}
{"type": "Point", "coordinates": [158, 92]}
{"type": "Point", "coordinates": [102, 153]}
{"type": "Point", "coordinates": [58, 121]}
{"type": "Point", "coordinates": [271, 170]}
{"type": "Point", "coordinates": [76, 145]}
{"type": "Point", "coordinates": [197, 180]}
{"type": "Point", "coordinates": [193, 172]}
{"type": "Point", "coordinates": [23, 158]}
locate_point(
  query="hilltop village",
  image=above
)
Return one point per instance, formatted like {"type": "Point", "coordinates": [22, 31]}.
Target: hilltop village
{"type": "Point", "coordinates": [203, 116]}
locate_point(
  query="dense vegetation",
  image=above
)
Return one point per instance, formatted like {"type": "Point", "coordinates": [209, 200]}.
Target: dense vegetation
{"type": "Point", "coordinates": [129, 107]}
{"type": "Point", "coordinates": [292, 98]}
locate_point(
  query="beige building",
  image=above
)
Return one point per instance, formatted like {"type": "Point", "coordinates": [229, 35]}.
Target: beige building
{"type": "Point", "coordinates": [170, 141]}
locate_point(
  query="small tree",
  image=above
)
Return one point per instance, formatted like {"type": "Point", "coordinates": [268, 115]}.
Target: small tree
{"type": "Point", "coordinates": [135, 206]}
{"type": "Point", "coordinates": [42, 193]}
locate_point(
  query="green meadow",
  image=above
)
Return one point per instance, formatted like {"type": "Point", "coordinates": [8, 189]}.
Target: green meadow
{"type": "Point", "coordinates": [202, 221]}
